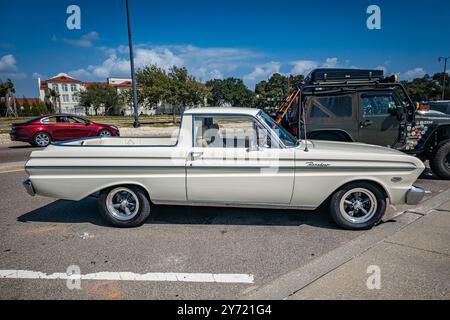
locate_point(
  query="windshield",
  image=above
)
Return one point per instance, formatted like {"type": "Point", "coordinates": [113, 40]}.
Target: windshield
{"type": "Point", "coordinates": [288, 139]}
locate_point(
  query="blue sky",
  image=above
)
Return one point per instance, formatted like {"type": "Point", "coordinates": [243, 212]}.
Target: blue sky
{"type": "Point", "coordinates": [218, 38]}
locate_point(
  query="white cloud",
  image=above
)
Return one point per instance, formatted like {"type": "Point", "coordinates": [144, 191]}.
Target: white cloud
{"type": "Point", "coordinates": [203, 63]}
{"type": "Point", "coordinates": [85, 41]}
{"type": "Point", "coordinates": [306, 66]}
{"type": "Point", "coordinates": [303, 66]}
{"type": "Point", "coordinates": [330, 63]}
{"type": "Point", "coordinates": [9, 69]}
{"type": "Point", "coordinates": [263, 71]}
{"type": "Point", "coordinates": [413, 73]}
{"type": "Point", "coordinates": [382, 67]}
{"type": "Point", "coordinates": [36, 75]}
{"type": "Point", "coordinates": [8, 63]}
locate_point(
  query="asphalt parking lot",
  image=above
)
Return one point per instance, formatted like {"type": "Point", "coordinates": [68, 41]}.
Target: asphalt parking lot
{"type": "Point", "coordinates": [47, 235]}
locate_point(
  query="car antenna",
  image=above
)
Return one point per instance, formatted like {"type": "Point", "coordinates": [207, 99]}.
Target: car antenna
{"type": "Point", "coordinates": [303, 120]}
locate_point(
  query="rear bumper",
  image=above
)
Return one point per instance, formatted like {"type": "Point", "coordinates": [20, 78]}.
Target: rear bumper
{"type": "Point", "coordinates": [29, 187]}
{"type": "Point", "coordinates": [414, 195]}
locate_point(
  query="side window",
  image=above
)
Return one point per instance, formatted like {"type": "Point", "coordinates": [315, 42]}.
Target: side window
{"type": "Point", "coordinates": [340, 106]}
{"type": "Point", "coordinates": [329, 107]}
{"type": "Point", "coordinates": [229, 132]}
{"type": "Point", "coordinates": [73, 120]}
{"type": "Point", "coordinates": [317, 112]}
{"type": "Point", "coordinates": [49, 120]}
{"type": "Point", "coordinates": [375, 105]}
{"type": "Point", "coordinates": [78, 120]}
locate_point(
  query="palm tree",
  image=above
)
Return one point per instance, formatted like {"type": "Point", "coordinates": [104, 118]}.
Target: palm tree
{"type": "Point", "coordinates": [55, 100]}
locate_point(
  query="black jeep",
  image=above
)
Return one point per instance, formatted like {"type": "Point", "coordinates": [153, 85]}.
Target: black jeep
{"type": "Point", "coordinates": [364, 106]}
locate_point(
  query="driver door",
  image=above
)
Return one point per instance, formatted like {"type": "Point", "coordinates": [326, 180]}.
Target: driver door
{"type": "Point", "coordinates": [378, 122]}
{"type": "Point", "coordinates": [233, 161]}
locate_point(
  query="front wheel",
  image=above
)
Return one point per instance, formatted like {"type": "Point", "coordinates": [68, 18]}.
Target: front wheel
{"type": "Point", "coordinates": [124, 206]}
{"type": "Point", "coordinates": [440, 160]}
{"type": "Point", "coordinates": [105, 133]}
{"type": "Point", "coordinates": [358, 206]}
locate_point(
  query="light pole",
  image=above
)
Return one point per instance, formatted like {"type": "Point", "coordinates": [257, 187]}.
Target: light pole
{"type": "Point", "coordinates": [445, 73]}
{"type": "Point", "coordinates": [133, 77]}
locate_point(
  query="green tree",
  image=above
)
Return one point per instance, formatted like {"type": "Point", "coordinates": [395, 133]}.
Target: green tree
{"type": "Point", "coordinates": [185, 90]}
{"type": "Point", "coordinates": [25, 108]}
{"type": "Point", "coordinates": [5, 86]}
{"type": "Point", "coordinates": [98, 96]}
{"type": "Point", "coordinates": [274, 90]}
{"type": "Point", "coordinates": [230, 91]}
{"type": "Point", "coordinates": [153, 87]}
{"type": "Point", "coordinates": [423, 89]}
{"type": "Point", "coordinates": [55, 100]}
{"type": "Point", "coordinates": [39, 108]}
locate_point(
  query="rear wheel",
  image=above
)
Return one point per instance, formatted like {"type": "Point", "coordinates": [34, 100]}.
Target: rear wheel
{"type": "Point", "coordinates": [42, 139]}
{"type": "Point", "coordinates": [358, 206]}
{"type": "Point", "coordinates": [124, 206]}
{"type": "Point", "coordinates": [440, 160]}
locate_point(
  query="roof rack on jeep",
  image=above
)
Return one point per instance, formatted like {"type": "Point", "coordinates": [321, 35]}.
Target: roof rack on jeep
{"type": "Point", "coordinates": [343, 75]}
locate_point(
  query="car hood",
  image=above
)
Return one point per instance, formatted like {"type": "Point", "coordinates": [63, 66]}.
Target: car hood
{"type": "Point", "coordinates": [352, 152]}
{"type": "Point", "coordinates": [351, 147]}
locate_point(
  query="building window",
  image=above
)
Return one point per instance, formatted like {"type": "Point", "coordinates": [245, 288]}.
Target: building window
{"type": "Point", "coordinates": [65, 87]}
{"type": "Point", "coordinates": [73, 88]}
{"type": "Point", "coordinates": [65, 97]}
{"type": "Point", "coordinates": [55, 87]}
{"type": "Point", "coordinates": [75, 98]}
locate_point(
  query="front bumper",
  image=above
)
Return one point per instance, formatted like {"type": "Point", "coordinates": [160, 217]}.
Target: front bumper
{"type": "Point", "coordinates": [29, 187]}
{"type": "Point", "coordinates": [414, 195]}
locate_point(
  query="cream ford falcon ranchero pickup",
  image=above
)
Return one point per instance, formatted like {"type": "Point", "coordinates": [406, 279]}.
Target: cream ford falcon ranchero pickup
{"type": "Point", "coordinates": [226, 157]}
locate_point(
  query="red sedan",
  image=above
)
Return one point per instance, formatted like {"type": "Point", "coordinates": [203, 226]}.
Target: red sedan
{"type": "Point", "coordinates": [42, 130]}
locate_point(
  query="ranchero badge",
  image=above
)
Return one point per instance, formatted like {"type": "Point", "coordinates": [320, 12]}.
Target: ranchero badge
{"type": "Point", "coordinates": [317, 164]}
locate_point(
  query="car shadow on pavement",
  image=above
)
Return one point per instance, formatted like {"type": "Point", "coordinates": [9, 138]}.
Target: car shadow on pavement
{"type": "Point", "coordinates": [24, 146]}
{"type": "Point", "coordinates": [85, 211]}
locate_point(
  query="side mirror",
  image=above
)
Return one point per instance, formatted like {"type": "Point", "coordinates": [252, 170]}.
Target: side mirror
{"type": "Point", "coordinates": [393, 110]}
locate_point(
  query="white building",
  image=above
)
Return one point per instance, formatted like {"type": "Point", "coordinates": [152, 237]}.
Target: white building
{"type": "Point", "coordinates": [69, 87]}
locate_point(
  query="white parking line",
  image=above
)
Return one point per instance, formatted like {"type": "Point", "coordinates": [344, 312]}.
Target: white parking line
{"type": "Point", "coordinates": [131, 276]}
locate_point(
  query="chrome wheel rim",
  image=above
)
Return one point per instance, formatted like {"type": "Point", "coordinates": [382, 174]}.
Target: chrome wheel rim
{"type": "Point", "coordinates": [122, 203]}
{"type": "Point", "coordinates": [105, 133]}
{"type": "Point", "coordinates": [42, 139]}
{"type": "Point", "coordinates": [358, 205]}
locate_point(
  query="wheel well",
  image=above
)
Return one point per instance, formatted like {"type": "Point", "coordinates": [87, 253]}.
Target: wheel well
{"type": "Point", "coordinates": [374, 183]}
{"type": "Point", "coordinates": [329, 134]}
{"type": "Point", "coordinates": [440, 135]}
{"type": "Point", "coordinates": [40, 131]}
{"type": "Point", "coordinates": [126, 185]}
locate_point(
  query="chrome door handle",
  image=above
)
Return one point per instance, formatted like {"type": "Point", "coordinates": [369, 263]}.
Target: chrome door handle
{"type": "Point", "coordinates": [195, 155]}
{"type": "Point", "coordinates": [365, 123]}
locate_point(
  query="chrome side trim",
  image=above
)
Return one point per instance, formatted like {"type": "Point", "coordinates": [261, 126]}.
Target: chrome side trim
{"type": "Point", "coordinates": [330, 168]}
{"type": "Point", "coordinates": [233, 205]}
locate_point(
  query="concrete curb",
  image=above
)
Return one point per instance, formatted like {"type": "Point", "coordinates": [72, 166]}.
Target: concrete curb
{"type": "Point", "coordinates": [290, 283]}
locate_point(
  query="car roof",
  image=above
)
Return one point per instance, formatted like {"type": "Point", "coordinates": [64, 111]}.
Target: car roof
{"type": "Point", "coordinates": [223, 110]}
{"type": "Point", "coordinates": [60, 115]}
